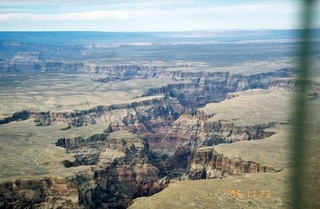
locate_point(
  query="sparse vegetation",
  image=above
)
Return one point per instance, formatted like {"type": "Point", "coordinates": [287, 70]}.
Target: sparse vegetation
{"type": "Point", "coordinates": [28, 148]}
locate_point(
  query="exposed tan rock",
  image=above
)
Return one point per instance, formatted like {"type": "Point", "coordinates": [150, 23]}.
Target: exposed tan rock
{"type": "Point", "coordinates": [45, 193]}
{"type": "Point", "coordinates": [124, 169]}
{"type": "Point", "coordinates": [207, 164]}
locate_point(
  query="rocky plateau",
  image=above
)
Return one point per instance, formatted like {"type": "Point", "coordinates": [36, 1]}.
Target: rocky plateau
{"type": "Point", "coordinates": [93, 120]}
{"type": "Point", "coordinates": [146, 144]}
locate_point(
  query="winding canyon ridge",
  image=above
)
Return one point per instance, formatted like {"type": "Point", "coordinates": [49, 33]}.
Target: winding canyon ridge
{"type": "Point", "coordinates": [152, 120]}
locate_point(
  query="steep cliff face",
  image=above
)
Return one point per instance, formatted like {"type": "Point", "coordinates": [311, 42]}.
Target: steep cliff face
{"type": "Point", "coordinates": [129, 72]}
{"type": "Point", "coordinates": [117, 186]}
{"type": "Point", "coordinates": [85, 150]}
{"type": "Point", "coordinates": [128, 169]}
{"type": "Point", "coordinates": [227, 132]}
{"type": "Point", "coordinates": [209, 87]}
{"type": "Point", "coordinates": [134, 116]}
{"type": "Point", "coordinates": [45, 193]}
{"type": "Point", "coordinates": [124, 165]}
{"type": "Point", "coordinates": [61, 66]}
{"type": "Point", "coordinates": [121, 170]}
{"type": "Point", "coordinates": [286, 83]}
{"type": "Point", "coordinates": [207, 164]}
{"type": "Point", "coordinates": [193, 129]}
{"type": "Point", "coordinates": [204, 132]}
{"type": "Point", "coordinates": [213, 87]}
{"type": "Point", "coordinates": [172, 138]}
{"type": "Point", "coordinates": [22, 115]}
{"type": "Point", "coordinates": [291, 84]}
{"type": "Point", "coordinates": [23, 62]}
{"type": "Point", "coordinates": [124, 169]}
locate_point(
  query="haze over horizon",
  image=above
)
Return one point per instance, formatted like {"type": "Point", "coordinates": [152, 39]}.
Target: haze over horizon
{"type": "Point", "coordinates": [150, 16]}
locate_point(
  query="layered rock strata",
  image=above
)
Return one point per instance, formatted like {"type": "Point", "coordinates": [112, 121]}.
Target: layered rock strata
{"type": "Point", "coordinates": [204, 88]}
{"type": "Point", "coordinates": [46, 193]}
{"type": "Point", "coordinates": [134, 115]}
{"type": "Point", "coordinates": [121, 169]}
{"type": "Point", "coordinates": [125, 166]}
{"type": "Point", "coordinates": [208, 164]}
{"type": "Point", "coordinates": [124, 169]}
{"type": "Point", "coordinates": [192, 130]}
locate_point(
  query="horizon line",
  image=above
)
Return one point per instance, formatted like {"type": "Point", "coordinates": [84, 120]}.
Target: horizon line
{"type": "Point", "coordinates": [182, 31]}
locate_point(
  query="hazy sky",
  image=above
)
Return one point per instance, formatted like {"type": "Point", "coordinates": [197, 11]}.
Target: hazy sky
{"type": "Point", "coordinates": [149, 15]}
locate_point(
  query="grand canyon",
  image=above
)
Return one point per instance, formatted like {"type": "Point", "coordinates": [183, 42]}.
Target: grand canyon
{"type": "Point", "coordinates": [152, 120]}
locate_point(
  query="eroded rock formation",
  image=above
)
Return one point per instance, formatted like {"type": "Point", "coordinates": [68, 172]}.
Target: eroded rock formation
{"type": "Point", "coordinates": [124, 169]}
{"type": "Point", "coordinates": [134, 115]}
{"type": "Point", "coordinates": [204, 88]}
{"type": "Point", "coordinates": [146, 143]}
{"type": "Point", "coordinates": [46, 193]}
{"type": "Point", "coordinates": [208, 164]}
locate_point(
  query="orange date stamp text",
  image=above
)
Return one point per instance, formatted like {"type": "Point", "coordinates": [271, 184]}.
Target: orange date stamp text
{"type": "Point", "coordinates": [242, 194]}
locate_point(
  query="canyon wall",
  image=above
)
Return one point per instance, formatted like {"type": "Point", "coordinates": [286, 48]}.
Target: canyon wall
{"type": "Point", "coordinates": [202, 89]}
{"type": "Point", "coordinates": [124, 168]}
{"type": "Point", "coordinates": [45, 193]}
{"type": "Point", "coordinates": [146, 143]}
{"type": "Point", "coordinates": [134, 115]}
{"type": "Point", "coordinates": [208, 164]}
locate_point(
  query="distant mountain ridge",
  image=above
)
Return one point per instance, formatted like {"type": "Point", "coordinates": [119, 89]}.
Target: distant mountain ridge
{"type": "Point", "coordinates": [86, 37]}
